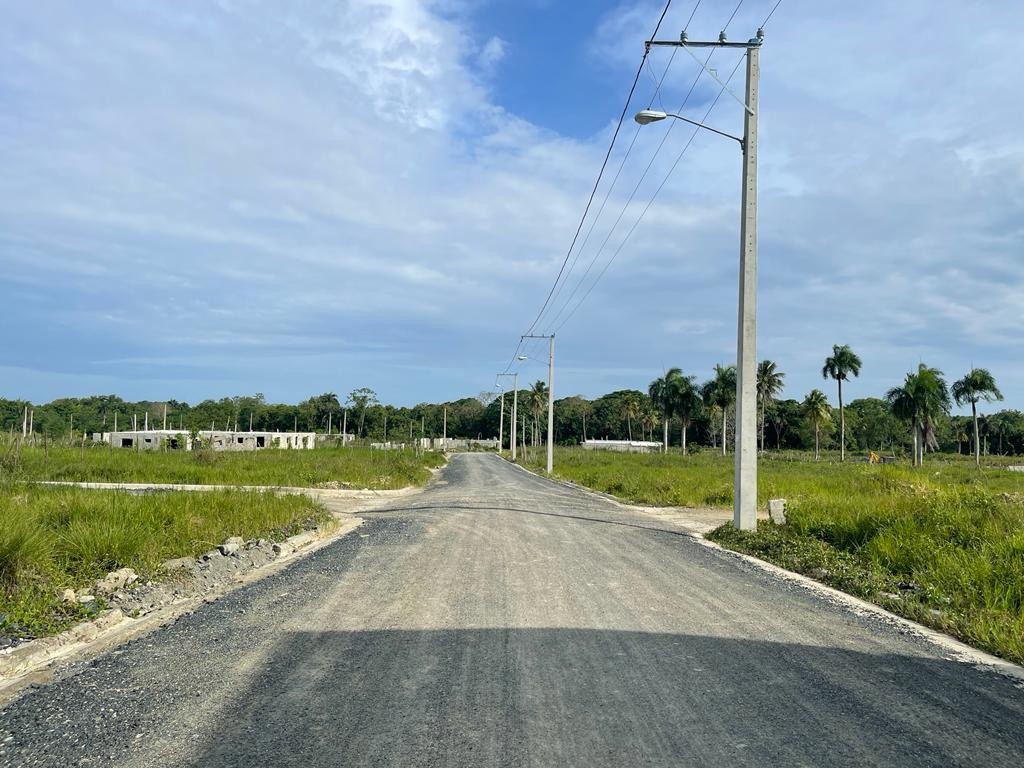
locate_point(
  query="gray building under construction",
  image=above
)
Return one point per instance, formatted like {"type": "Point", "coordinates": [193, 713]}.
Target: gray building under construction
{"type": "Point", "coordinates": [218, 440]}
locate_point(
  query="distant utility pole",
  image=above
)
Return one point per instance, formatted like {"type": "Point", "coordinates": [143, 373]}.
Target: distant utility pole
{"type": "Point", "coordinates": [745, 476]}
{"type": "Point", "coordinates": [165, 419]}
{"type": "Point", "coordinates": [329, 415]}
{"type": "Point", "coordinates": [501, 422]}
{"type": "Point", "coordinates": [344, 425]}
{"type": "Point", "coordinates": [551, 397]}
{"type": "Point", "coordinates": [515, 407]}
{"type": "Point", "coordinates": [444, 434]}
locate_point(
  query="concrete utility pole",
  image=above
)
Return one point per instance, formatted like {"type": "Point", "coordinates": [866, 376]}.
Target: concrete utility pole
{"type": "Point", "coordinates": [444, 434]}
{"type": "Point", "coordinates": [501, 423]}
{"type": "Point", "coordinates": [515, 411]}
{"type": "Point", "coordinates": [344, 425]}
{"type": "Point", "coordinates": [551, 397]}
{"type": "Point", "coordinates": [745, 474]}
{"type": "Point", "coordinates": [165, 419]}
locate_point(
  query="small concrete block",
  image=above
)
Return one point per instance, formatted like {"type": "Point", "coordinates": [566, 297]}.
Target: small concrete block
{"type": "Point", "coordinates": [777, 510]}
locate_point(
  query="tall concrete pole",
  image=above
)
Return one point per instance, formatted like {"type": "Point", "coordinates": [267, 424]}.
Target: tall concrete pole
{"type": "Point", "coordinates": [444, 433]}
{"type": "Point", "coordinates": [501, 423]}
{"type": "Point", "coordinates": [745, 496]}
{"type": "Point", "coordinates": [515, 411]}
{"type": "Point", "coordinates": [551, 401]}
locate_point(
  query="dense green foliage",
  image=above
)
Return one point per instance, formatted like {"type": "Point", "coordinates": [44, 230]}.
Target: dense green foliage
{"type": "Point", "coordinates": [351, 467]}
{"type": "Point", "coordinates": [53, 539]}
{"type": "Point", "coordinates": [952, 536]}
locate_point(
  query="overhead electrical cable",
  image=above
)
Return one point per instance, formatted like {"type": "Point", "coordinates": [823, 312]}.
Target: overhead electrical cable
{"type": "Point", "coordinates": [622, 163]}
{"type": "Point", "coordinates": [593, 192]}
{"type": "Point", "coordinates": [650, 202]}
{"type": "Point", "coordinates": [643, 176]}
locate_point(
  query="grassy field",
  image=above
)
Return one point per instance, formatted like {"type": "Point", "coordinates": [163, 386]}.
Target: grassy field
{"type": "Point", "coordinates": [52, 539]}
{"type": "Point", "coordinates": [943, 544]}
{"type": "Point", "coordinates": [344, 467]}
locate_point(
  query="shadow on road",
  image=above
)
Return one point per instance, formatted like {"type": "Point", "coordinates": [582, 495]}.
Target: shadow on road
{"type": "Point", "coordinates": [607, 698]}
{"type": "Point", "coordinates": [444, 507]}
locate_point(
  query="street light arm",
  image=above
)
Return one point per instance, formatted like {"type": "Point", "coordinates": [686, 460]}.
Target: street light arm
{"type": "Point", "coordinates": [647, 116]}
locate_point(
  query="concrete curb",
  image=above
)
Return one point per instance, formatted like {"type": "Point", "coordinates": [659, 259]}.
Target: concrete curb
{"type": "Point", "coordinates": [959, 650]}
{"type": "Point", "coordinates": [112, 626]}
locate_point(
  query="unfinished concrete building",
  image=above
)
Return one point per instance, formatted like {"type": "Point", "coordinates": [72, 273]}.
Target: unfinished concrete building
{"type": "Point", "coordinates": [218, 440]}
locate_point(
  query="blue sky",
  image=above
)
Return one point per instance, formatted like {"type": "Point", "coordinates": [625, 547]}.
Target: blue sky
{"type": "Point", "coordinates": [202, 199]}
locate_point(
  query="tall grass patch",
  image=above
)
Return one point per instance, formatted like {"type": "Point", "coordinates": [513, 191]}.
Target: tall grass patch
{"type": "Point", "coordinates": [57, 538]}
{"type": "Point", "coordinates": [349, 467]}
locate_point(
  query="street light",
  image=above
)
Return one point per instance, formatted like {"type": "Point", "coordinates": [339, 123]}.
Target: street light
{"type": "Point", "coordinates": [745, 477]}
{"type": "Point", "coordinates": [648, 116]}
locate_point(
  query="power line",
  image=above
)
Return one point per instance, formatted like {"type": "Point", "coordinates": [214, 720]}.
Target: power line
{"type": "Point", "coordinates": [604, 164]}
{"type": "Point", "coordinates": [770, 13]}
{"type": "Point", "coordinates": [657, 191]}
{"type": "Point", "coordinates": [622, 163]}
{"type": "Point", "coordinates": [661, 144]}
{"type": "Point", "coordinates": [651, 201]}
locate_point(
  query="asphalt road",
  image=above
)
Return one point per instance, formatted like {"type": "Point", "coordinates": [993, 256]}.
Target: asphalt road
{"type": "Point", "coordinates": [498, 619]}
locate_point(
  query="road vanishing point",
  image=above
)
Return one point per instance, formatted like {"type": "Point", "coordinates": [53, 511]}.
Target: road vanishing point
{"type": "Point", "coordinates": [501, 619]}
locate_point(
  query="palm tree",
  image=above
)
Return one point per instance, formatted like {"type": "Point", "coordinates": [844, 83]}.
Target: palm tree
{"type": "Point", "coordinates": [537, 397]}
{"type": "Point", "coordinates": [649, 420]}
{"type": "Point", "coordinates": [839, 366]}
{"type": "Point", "coordinates": [819, 413]}
{"type": "Point", "coordinates": [686, 402]}
{"type": "Point", "coordinates": [921, 399]}
{"type": "Point", "coordinates": [769, 384]}
{"type": "Point", "coordinates": [977, 385]}
{"type": "Point", "coordinates": [663, 396]}
{"type": "Point", "coordinates": [633, 410]}
{"type": "Point", "coordinates": [721, 392]}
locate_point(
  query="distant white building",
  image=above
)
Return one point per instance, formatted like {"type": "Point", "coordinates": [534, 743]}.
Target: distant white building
{"type": "Point", "coordinates": [218, 440]}
{"type": "Point", "coordinates": [622, 446]}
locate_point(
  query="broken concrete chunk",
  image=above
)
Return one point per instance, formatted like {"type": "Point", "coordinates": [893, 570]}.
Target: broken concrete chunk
{"type": "Point", "coordinates": [231, 545]}
{"type": "Point", "coordinates": [777, 510]}
{"type": "Point", "coordinates": [115, 580]}
{"type": "Point", "coordinates": [68, 596]}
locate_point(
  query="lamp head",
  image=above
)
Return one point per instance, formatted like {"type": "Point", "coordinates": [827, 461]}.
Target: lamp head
{"type": "Point", "coordinates": [647, 116]}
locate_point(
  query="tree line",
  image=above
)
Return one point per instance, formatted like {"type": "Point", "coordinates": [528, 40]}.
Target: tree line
{"type": "Point", "coordinates": [676, 409]}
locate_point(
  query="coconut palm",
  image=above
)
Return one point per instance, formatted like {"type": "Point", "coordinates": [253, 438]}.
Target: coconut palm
{"type": "Point", "coordinates": [840, 366]}
{"type": "Point", "coordinates": [819, 413]}
{"type": "Point", "coordinates": [537, 400]}
{"type": "Point", "coordinates": [921, 399]}
{"type": "Point", "coordinates": [663, 395]}
{"type": "Point", "coordinates": [687, 403]}
{"type": "Point", "coordinates": [633, 411]}
{"type": "Point", "coordinates": [649, 420]}
{"type": "Point", "coordinates": [721, 392]}
{"type": "Point", "coordinates": [977, 385]}
{"type": "Point", "coordinates": [769, 384]}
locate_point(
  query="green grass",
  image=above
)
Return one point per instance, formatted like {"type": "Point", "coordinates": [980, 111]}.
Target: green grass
{"type": "Point", "coordinates": [345, 467]}
{"type": "Point", "coordinates": [942, 544]}
{"type": "Point", "coordinates": [57, 538]}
